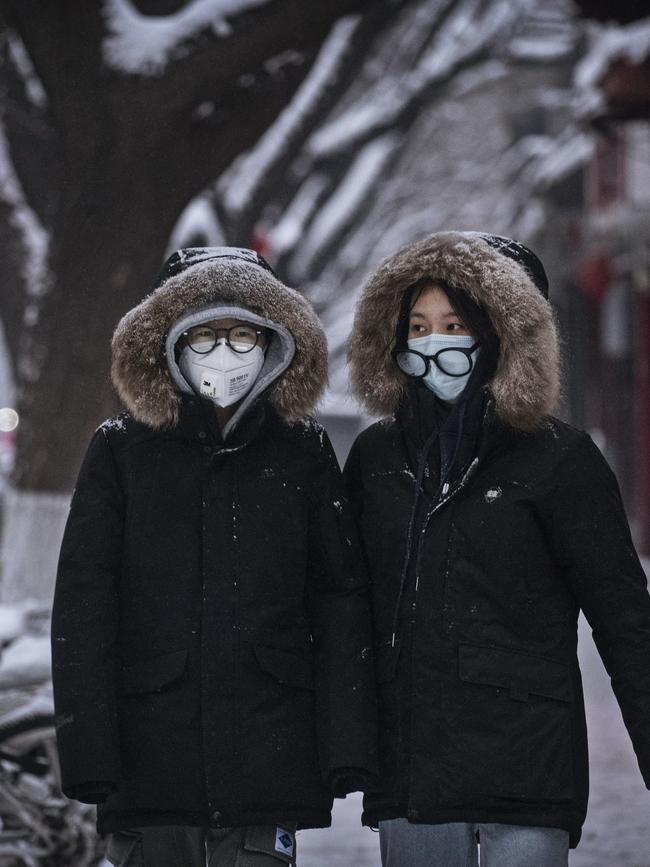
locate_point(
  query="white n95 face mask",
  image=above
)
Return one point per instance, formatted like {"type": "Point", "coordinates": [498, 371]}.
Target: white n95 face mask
{"type": "Point", "coordinates": [222, 375]}
{"type": "Point", "coordinates": [446, 386]}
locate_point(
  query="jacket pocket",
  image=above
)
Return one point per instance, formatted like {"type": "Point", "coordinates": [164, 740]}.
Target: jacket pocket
{"type": "Point", "coordinates": [522, 674]}
{"type": "Point", "coordinates": [509, 715]}
{"type": "Point", "coordinates": [286, 667]}
{"type": "Point", "coordinates": [152, 675]}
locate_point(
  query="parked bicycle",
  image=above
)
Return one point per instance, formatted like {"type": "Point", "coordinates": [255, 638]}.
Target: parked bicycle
{"type": "Point", "coordinates": [39, 826]}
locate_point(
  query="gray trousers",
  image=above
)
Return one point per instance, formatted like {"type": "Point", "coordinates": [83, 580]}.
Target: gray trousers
{"type": "Point", "coordinates": [184, 846]}
{"type": "Point", "coordinates": [454, 844]}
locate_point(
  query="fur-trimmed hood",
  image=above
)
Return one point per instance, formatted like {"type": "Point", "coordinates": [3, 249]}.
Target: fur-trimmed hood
{"type": "Point", "coordinates": [500, 275]}
{"type": "Point", "coordinates": [199, 280]}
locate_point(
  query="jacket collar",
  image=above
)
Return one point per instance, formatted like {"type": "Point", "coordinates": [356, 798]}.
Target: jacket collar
{"type": "Point", "coordinates": [198, 423]}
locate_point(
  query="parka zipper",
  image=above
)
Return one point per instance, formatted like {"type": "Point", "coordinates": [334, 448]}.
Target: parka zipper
{"type": "Point", "coordinates": [419, 478]}
{"type": "Point", "coordinates": [444, 497]}
{"type": "Point", "coordinates": [446, 493]}
{"type": "Point", "coordinates": [441, 502]}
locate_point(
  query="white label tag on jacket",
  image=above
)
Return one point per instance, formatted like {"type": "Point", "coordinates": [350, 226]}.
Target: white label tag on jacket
{"type": "Point", "coordinates": [284, 842]}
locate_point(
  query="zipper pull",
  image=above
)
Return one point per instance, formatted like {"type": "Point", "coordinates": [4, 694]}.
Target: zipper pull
{"type": "Point", "coordinates": [445, 489]}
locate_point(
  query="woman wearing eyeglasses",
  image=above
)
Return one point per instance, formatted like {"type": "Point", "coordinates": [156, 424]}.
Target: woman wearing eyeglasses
{"type": "Point", "coordinates": [487, 525]}
{"type": "Point", "coordinates": [211, 631]}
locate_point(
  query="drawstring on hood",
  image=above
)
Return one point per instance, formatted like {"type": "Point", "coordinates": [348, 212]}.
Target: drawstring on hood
{"type": "Point", "coordinates": [447, 464]}
{"type": "Point", "coordinates": [422, 463]}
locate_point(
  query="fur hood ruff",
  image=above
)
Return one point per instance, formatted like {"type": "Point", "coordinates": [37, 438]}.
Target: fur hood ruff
{"type": "Point", "coordinates": [140, 371]}
{"type": "Point", "coordinates": [526, 384]}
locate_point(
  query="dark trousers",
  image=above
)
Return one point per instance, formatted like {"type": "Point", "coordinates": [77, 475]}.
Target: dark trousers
{"type": "Point", "coordinates": [183, 846]}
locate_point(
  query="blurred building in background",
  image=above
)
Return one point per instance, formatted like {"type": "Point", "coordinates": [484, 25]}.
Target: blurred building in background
{"type": "Point", "coordinates": [603, 259]}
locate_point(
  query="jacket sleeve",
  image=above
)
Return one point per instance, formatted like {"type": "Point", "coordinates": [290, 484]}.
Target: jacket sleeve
{"type": "Point", "coordinates": [592, 540]}
{"type": "Point", "coordinates": [84, 623]}
{"type": "Point", "coordinates": [339, 610]}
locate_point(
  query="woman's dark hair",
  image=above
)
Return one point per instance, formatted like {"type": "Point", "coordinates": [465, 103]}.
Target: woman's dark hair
{"type": "Point", "coordinates": [472, 315]}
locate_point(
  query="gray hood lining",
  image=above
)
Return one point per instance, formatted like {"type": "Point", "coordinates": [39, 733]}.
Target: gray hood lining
{"type": "Point", "coordinates": [278, 355]}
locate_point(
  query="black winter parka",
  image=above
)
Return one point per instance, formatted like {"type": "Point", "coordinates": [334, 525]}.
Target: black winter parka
{"type": "Point", "coordinates": [211, 628]}
{"type": "Point", "coordinates": [480, 698]}
{"type": "Point", "coordinates": [478, 579]}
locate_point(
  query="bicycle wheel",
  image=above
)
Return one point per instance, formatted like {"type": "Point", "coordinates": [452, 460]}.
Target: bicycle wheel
{"type": "Point", "coordinates": [40, 827]}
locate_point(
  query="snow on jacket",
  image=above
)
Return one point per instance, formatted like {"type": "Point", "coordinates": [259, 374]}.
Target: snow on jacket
{"type": "Point", "coordinates": [480, 699]}
{"type": "Point", "coordinates": [211, 628]}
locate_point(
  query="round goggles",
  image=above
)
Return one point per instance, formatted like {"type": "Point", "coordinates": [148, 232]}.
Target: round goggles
{"type": "Point", "coordinates": [240, 338]}
{"type": "Point", "coordinates": [452, 360]}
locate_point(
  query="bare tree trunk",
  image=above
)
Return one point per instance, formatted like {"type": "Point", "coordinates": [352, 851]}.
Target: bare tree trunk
{"type": "Point", "coordinates": [101, 267]}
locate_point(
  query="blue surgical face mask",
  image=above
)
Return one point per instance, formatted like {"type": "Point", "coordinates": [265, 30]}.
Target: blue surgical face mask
{"type": "Point", "coordinates": [446, 387]}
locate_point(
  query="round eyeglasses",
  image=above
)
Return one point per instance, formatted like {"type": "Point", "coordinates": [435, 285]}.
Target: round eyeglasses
{"type": "Point", "coordinates": [240, 338]}
{"type": "Point", "coordinates": [451, 360]}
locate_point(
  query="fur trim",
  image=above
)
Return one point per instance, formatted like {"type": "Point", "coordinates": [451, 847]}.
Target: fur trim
{"type": "Point", "coordinates": [526, 385]}
{"type": "Point", "coordinates": [140, 372]}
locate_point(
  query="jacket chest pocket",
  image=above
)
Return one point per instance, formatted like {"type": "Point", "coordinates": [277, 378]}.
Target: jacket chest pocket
{"type": "Point", "coordinates": [155, 695]}
{"type": "Point", "coordinates": [496, 525]}
{"type": "Point", "coordinates": [511, 717]}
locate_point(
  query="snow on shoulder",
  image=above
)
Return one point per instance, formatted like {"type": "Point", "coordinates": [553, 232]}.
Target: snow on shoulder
{"type": "Point", "coordinates": [311, 428]}
{"type": "Point", "coordinates": [117, 423]}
